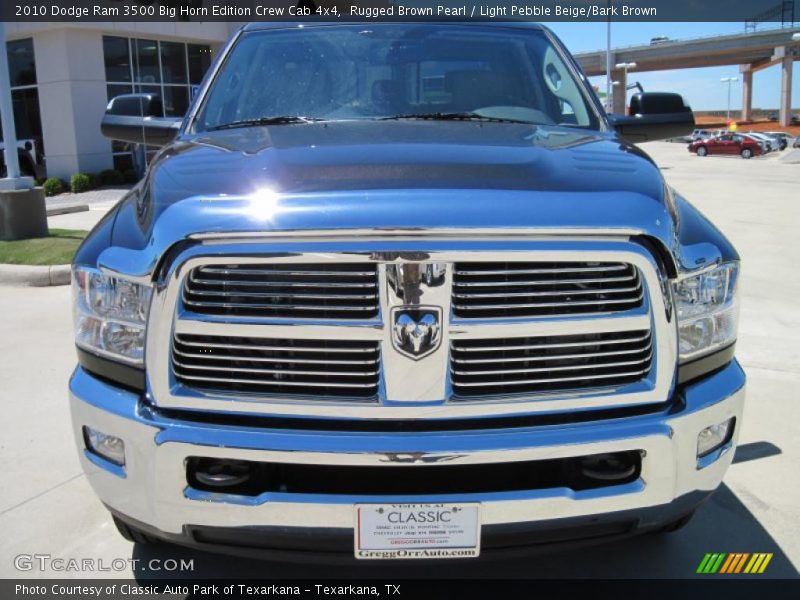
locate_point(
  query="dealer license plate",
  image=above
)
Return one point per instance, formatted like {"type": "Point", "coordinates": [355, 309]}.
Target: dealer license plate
{"type": "Point", "coordinates": [398, 531]}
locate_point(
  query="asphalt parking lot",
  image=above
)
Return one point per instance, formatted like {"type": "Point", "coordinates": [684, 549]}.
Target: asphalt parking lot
{"type": "Point", "coordinates": [47, 506]}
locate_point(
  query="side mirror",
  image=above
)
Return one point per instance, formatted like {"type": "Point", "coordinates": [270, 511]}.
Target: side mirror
{"type": "Point", "coordinates": [654, 116]}
{"type": "Point", "coordinates": [137, 119]}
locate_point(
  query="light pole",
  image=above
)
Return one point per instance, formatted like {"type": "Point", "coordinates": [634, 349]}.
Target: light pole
{"type": "Point", "coordinates": [729, 81]}
{"type": "Point", "coordinates": [625, 66]}
{"type": "Point", "coordinates": [12, 181]}
{"type": "Point", "coordinates": [609, 104]}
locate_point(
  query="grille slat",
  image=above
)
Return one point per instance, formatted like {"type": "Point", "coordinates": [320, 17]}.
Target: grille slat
{"type": "Point", "coordinates": [318, 291]}
{"type": "Point", "coordinates": [560, 356]}
{"type": "Point", "coordinates": [278, 366]}
{"type": "Point", "coordinates": [305, 361]}
{"type": "Point", "coordinates": [529, 289]}
{"type": "Point", "coordinates": [619, 267]}
{"type": "Point", "coordinates": [550, 363]}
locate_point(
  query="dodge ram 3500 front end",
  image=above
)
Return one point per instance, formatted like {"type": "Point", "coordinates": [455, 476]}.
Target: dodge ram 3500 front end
{"type": "Point", "coordinates": [403, 291]}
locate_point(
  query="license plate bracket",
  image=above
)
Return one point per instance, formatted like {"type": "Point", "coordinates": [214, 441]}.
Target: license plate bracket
{"type": "Point", "coordinates": [418, 530]}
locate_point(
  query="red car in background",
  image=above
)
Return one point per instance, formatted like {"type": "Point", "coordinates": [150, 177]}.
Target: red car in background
{"type": "Point", "coordinates": [727, 143]}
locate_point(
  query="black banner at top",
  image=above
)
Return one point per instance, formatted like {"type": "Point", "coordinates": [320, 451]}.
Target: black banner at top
{"type": "Point", "coordinates": [785, 12]}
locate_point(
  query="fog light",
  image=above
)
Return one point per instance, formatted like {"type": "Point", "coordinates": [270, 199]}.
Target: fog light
{"type": "Point", "coordinates": [714, 436]}
{"type": "Point", "coordinates": [109, 447]}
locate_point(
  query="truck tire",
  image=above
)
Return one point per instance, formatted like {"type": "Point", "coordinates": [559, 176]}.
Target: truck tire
{"type": "Point", "coordinates": [134, 535]}
{"type": "Point", "coordinates": [747, 153]}
{"type": "Point", "coordinates": [677, 524]}
{"type": "Point", "coordinates": [702, 151]}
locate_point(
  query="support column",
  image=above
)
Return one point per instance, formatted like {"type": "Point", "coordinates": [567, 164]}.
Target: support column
{"type": "Point", "coordinates": [785, 117]}
{"type": "Point", "coordinates": [747, 92]}
{"type": "Point", "coordinates": [619, 91]}
{"type": "Point", "coordinates": [72, 99]}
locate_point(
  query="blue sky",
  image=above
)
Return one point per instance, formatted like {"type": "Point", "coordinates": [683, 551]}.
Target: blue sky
{"type": "Point", "coordinates": [701, 87]}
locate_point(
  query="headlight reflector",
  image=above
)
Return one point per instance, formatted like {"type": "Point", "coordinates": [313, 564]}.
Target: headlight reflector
{"type": "Point", "coordinates": [110, 314]}
{"type": "Point", "coordinates": [708, 311]}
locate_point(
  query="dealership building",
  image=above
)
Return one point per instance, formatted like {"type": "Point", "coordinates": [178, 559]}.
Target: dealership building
{"type": "Point", "coordinates": [62, 76]}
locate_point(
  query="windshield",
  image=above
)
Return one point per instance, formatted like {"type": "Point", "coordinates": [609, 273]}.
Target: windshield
{"type": "Point", "coordinates": [394, 71]}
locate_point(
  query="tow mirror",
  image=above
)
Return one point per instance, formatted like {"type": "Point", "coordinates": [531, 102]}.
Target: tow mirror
{"type": "Point", "coordinates": [654, 116]}
{"type": "Point", "coordinates": [138, 119]}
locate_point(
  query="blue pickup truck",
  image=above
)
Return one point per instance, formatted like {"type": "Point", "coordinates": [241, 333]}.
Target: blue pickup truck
{"type": "Point", "coordinates": [402, 291]}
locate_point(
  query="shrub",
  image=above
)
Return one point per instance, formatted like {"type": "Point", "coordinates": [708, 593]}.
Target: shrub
{"type": "Point", "coordinates": [80, 182]}
{"type": "Point", "coordinates": [53, 186]}
{"type": "Point", "coordinates": [111, 177]}
{"type": "Point", "coordinates": [130, 176]}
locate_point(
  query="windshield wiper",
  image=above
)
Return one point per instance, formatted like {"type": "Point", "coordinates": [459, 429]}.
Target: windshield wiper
{"type": "Point", "coordinates": [276, 120]}
{"type": "Point", "coordinates": [454, 116]}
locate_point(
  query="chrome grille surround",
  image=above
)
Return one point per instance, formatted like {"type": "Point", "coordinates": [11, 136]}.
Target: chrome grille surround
{"type": "Point", "coordinates": [408, 388]}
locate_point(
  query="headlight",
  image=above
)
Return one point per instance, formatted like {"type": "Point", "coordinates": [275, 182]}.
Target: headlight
{"type": "Point", "coordinates": [708, 311]}
{"type": "Point", "coordinates": [110, 315]}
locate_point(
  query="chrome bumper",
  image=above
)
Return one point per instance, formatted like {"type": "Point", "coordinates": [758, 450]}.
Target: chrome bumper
{"type": "Point", "coordinates": [151, 488]}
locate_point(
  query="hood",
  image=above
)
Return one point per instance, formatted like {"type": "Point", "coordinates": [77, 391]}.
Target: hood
{"type": "Point", "coordinates": [397, 175]}
{"type": "Point", "coordinates": [370, 155]}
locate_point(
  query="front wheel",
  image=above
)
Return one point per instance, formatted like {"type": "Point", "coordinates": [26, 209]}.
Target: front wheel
{"type": "Point", "coordinates": [747, 153]}
{"type": "Point", "coordinates": [702, 151]}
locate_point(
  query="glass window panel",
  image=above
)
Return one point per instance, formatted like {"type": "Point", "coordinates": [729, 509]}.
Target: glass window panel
{"type": "Point", "coordinates": [112, 91]}
{"type": "Point", "coordinates": [26, 114]}
{"type": "Point", "coordinates": [123, 162]}
{"type": "Point", "coordinates": [146, 62]}
{"type": "Point", "coordinates": [150, 89]}
{"type": "Point", "coordinates": [117, 58]}
{"type": "Point", "coordinates": [199, 61]}
{"type": "Point", "coordinates": [173, 62]}
{"type": "Point", "coordinates": [118, 146]}
{"type": "Point", "coordinates": [21, 64]}
{"type": "Point", "coordinates": [176, 100]}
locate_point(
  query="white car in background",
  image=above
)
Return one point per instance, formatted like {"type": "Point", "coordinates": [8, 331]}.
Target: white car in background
{"type": "Point", "coordinates": [770, 143]}
{"type": "Point", "coordinates": [785, 139]}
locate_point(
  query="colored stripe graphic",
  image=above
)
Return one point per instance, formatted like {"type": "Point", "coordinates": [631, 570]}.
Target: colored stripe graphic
{"type": "Point", "coordinates": [711, 562]}
{"type": "Point", "coordinates": [703, 563]}
{"type": "Point", "coordinates": [731, 560]}
{"type": "Point", "coordinates": [725, 563]}
{"type": "Point", "coordinates": [741, 563]}
{"type": "Point", "coordinates": [765, 563]}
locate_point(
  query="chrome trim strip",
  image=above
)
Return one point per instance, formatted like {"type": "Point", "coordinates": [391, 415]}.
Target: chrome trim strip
{"type": "Point", "coordinates": [555, 293]}
{"type": "Point", "coordinates": [547, 380]}
{"type": "Point", "coordinates": [277, 348]}
{"type": "Point", "coordinates": [281, 383]}
{"type": "Point", "coordinates": [273, 372]}
{"type": "Point", "coordinates": [276, 359]}
{"type": "Point", "coordinates": [562, 368]}
{"type": "Point", "coordinates": [543, 282]}
{"type": "Point", "coordinates": [543, 357]}
{"type": "Point", "coordinates": [548, 346]}
{"type": "Point", "coordinates": [477, 273]}
{"type": "Point", "coordinates": [546, 304]}
{"type": "Point", "coordinates": [415, 234]}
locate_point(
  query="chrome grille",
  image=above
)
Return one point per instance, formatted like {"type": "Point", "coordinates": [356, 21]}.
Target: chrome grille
{"type": "Point", "coordinates": [525, 289]}
{"type": "Point", "coordinates": [314, 291]}
{"type": "Point", "coordinates": [487, 367]}
{"type": "Point", "coordinates": [318, 368]}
